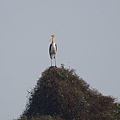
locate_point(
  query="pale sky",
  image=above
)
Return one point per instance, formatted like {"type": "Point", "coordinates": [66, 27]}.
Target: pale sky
{"type": "Point", "coordinates": [87, 33]}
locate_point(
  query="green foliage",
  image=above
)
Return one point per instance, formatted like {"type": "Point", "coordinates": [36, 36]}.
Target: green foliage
{"type": "Point", "coordinates": [118, 109]}
{"type": "Point", "coordinates": [61, 95]}
{"type": "Point", "coordinates": [62, 73]}
{"type": "Point", "coordinates": [42, 117]}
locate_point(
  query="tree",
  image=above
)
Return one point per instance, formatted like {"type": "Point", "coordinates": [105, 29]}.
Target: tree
{"type": "Point", "coordinates": [61, 94]}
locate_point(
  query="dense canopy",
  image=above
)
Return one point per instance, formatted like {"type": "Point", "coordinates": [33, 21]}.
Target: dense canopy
{"type": "Point", "coordinates": [60, 94]}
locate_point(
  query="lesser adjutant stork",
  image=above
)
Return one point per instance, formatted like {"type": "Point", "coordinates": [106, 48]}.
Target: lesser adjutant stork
{"type": "Point", "coordinates": [52, 50]}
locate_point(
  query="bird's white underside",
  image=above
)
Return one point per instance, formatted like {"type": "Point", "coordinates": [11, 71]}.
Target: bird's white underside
{"type": "Point", "coordinates": [53, 51]}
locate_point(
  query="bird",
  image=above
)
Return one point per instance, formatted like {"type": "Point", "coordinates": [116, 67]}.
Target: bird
{"type": "Point", "coordinates": [52, 49]}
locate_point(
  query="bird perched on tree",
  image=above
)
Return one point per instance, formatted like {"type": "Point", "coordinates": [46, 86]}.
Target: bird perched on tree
{"type": "Point", "coordinates": [52, 50]}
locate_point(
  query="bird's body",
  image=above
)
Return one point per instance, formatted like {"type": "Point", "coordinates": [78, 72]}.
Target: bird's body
{"type": "Point", "coordinates": [53, 50]}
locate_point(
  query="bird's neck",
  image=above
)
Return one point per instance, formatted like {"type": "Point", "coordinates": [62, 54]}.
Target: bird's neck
{"type": "Point", "coordinates": [52, 40]}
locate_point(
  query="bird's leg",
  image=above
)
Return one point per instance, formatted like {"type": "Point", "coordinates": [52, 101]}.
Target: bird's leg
{"type": "Point", "coordinates": [55, 62]}
{"type": "Point", "coordinates": [51, 62]}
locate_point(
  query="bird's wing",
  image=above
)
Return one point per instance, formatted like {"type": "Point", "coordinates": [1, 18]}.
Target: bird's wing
{"type": "Point", "coordinates": [50, 50]}
{"type": "Point", "coordinates": [56, 47]}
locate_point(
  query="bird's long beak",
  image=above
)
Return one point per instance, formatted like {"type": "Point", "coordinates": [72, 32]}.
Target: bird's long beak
{"type": "Point", "coordinates": [51, 38]}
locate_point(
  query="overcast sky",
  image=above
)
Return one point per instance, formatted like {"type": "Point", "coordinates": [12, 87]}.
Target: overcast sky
{"type": "Point", "coordinates": [87, 33]}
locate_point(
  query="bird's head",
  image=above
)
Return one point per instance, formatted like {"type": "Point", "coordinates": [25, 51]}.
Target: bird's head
{"type": "Point", "coordinates": [52, 38]}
